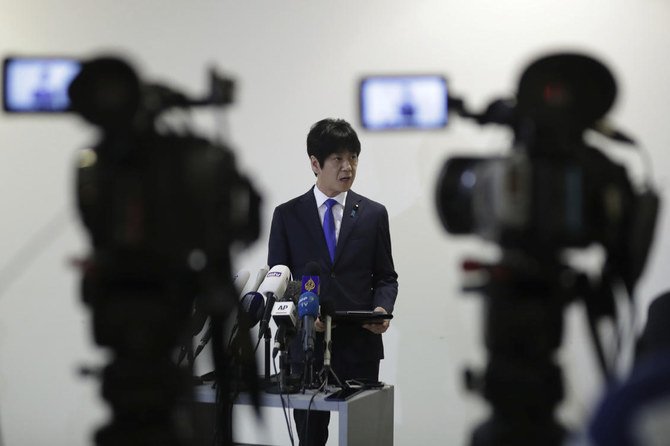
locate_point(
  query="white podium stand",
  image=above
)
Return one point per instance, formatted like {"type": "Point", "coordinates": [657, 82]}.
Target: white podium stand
{"type": "Point", "coordinates": [365, 419]}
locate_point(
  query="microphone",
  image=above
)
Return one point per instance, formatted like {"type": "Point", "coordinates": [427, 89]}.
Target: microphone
{"type": "Point", "coordinates": [285, 315]}
{"type": "Point", "coordinates": [285, 311]}
{"type": "Point", "coordinates": [200, 318]}
{"type": "Point", "coordinates": [253, 284]}
{"type": "Point", "coordinates": [311, 281]}
{"type": "Point", "coordinates": [308, 310]}
{"type": "Point", "coordinates": [253, 306]}
{"type": "Point", "coordinates": [293, 291]}
{"type": "Point", "coordinates": [240, 280]}
{"type": "Point", "coordinates": [273, 288]}
{"type": "Point", "coordinates": [276, 280]}
{"type": "Point", "coordinates": [327, 310]}
{"type": "Point", "coordinates": [308, 303]}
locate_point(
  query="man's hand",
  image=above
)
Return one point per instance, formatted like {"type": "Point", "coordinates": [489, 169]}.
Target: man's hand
{"type": "Point", "coordinates": [320, 325]}
{"type": "Point", "coordinates": [378, 328]}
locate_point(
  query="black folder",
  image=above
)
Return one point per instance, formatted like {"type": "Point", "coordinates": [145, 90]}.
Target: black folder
{"type": "Point", "coordinates": [360, 317]}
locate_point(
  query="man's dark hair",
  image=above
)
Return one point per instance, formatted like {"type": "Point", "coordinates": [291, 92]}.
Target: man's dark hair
{"type": "Point", "coordinates": [330, 136]}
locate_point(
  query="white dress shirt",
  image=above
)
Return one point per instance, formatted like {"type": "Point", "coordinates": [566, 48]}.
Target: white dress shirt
{"type": "Point", "coordinates": [338, 209]}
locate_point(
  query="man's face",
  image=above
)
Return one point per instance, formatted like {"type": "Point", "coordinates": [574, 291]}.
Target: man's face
{"type": "Point", "coordinates": [337, 173]}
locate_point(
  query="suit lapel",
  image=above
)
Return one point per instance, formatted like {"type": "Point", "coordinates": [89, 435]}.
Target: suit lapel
{"type": "Point", "coordinates": [352, 211]}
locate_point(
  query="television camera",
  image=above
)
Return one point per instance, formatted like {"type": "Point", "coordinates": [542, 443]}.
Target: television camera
{"type": "Point", "coordinates": [553, 192]}
{"type": "Point", "coordinates": [162, 209]}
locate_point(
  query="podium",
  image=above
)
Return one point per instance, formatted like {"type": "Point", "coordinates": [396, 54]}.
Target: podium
{"type": "Point", "coordinates": [366, 419]}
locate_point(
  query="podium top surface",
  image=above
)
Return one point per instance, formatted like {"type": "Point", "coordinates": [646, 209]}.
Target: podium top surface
{"type": "Point", "coordinates": [310, 398]}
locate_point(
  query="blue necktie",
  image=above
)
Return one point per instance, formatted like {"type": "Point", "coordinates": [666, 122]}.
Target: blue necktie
{"type": "Point", "coordinates": [329, 228]}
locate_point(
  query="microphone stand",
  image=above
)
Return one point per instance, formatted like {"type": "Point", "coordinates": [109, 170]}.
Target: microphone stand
{"type": "Point", "coordinates": [267, 337]}
{"type": "Point", "coordinates": [308, 375]}
{"type": "Point", "coordinates": [284, 386]}
{"type": "Point", "coordinates": [204, 340]}
{"type": "Point", "coordinates": [327, 369]}
{"type": "Point", "coordinates": [265, 333]}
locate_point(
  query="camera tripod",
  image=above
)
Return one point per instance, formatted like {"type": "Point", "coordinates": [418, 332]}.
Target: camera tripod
{"type": "Point", "coordinates": [523, 326]}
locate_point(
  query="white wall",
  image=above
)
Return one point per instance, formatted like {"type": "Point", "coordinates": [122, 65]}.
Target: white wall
{"type": "Point", "coordinates": [297, 62]}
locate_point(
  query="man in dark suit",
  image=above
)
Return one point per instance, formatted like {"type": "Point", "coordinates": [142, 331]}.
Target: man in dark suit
{"type": "Point", "coordinates": [634, 411]}
{"type": "Point", "coordinates": [356, 270]}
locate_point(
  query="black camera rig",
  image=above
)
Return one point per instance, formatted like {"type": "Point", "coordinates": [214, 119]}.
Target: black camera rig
{"type": "Point", "coordinates": [553, 192]}
{"type": "Point", "coordinates": [162, 210]}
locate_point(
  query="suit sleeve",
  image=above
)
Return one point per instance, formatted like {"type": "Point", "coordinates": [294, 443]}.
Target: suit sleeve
{"type": "Point", "coordinates": [385, 278]}
{"type": "Point", "coordinates": [278, 248]}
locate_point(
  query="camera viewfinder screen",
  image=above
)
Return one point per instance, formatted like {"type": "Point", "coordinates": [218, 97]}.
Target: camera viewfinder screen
{"type": "Point", "coordinates": [416, 102]}
{"type": "Point", "coordinates": [37, 85]}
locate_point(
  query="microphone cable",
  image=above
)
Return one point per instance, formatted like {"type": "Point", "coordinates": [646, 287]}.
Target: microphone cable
{"type": "Point", "coordinates": [258, 343]}
{"type": "Point", "coordinates": [284, 405]}
{"type": "Point", "coordinates": [233, 333]}
{"type": "Point", "coordinates": [309, 408]}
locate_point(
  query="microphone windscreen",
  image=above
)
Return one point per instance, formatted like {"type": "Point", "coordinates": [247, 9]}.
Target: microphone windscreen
{"type": "Point", "coordinates": [253, 305]}
{"type": "Point", "coordinates": [308, 305]}
{"type": "Point", "coordinates": [254, 282]}
{"type": "Point", "coordinates": [293, 290]}
{"type": "Point", "coordinates": [276, 281]}
{"type": "Point", "coordinates": [312, 269]}
{"type": "Point", "coordinates": [240, 280]}
{"type": "Point", "coordinates": [311, 280]}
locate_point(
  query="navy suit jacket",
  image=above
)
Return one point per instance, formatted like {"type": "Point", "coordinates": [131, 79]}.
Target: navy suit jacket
{"type": "Point", "coordinates": [362, 276]}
